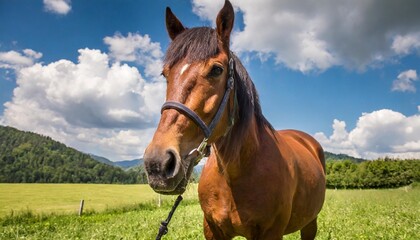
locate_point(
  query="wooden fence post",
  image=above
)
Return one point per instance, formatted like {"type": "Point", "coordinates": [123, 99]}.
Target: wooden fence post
{"type": "Point", "coordinates": [82, 202]}
{"type": "Point", "coordinates": [159, 200]}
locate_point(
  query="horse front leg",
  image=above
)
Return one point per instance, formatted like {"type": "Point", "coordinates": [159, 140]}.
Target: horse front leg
{"type": "Point", "coordinates": [309, 231]}
{"type": "Point", "coordinates": [272, 234]}
{"type": "Point", "coordinates": [212, 232]}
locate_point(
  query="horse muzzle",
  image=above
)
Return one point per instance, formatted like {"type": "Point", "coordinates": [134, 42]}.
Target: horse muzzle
{"type": "Point", "coordinates": [167, 173]}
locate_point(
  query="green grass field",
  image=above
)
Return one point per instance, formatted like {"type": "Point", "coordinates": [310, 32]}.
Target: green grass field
{"type": "Point", "coordinates": [131, 212]}
{"type": "Point", "coordinates": [65, 198]}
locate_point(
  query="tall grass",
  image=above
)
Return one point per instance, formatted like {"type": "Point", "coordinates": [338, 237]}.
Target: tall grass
{"type": "Point", "coordinates": [370, 214]}
{"type": "Point", "coordinates": [347, 214]}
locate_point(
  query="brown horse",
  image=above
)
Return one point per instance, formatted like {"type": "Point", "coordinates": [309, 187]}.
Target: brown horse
{"type": "Point", "coordinates": [257, 182]}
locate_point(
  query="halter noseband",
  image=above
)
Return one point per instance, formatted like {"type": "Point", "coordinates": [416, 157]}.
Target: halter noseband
{"type": "Point", "coordinates": [203, 150]}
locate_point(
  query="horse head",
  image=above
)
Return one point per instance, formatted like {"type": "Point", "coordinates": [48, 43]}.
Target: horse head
{"type": "Point", "coordinates": [198, 68]}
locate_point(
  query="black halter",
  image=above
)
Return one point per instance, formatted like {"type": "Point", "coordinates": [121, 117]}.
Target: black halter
{"type": "Point", "coordinates": [203, 150]}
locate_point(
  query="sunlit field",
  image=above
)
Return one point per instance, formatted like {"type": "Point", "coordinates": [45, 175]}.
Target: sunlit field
{"type": "Point", "coordinates": [65, 198]}
{"type": "Point", "coordinates": [132, 212]}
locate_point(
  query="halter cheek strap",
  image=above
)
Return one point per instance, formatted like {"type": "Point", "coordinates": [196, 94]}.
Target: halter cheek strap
{"type": "Point", "coordinates": [189, 113]}
{"type": "Point", "coordinates": [207, 130]}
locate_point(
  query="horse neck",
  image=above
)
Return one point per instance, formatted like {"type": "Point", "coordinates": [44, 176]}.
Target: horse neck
{"type": "Point", "coordinates": [237, 150]}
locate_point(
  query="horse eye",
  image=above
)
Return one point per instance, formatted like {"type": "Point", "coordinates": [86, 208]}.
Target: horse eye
{"type": "Point", "coordinates": [216, 71]}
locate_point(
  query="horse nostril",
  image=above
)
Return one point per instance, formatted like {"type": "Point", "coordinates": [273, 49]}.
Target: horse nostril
{"type": "Point", "coordinates": [169, 165]}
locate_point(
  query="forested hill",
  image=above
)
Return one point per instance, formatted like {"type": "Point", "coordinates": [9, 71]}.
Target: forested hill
{"type": "Point", "coordinates": [126, 164]}
{"type": "Point", "coordinates": [32, 158]}
{"type": "Point", "coordinates": [339, 157]}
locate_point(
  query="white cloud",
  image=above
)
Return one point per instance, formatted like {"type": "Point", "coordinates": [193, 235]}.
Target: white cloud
{"type": "Point", "coordinates": [96, 105]}
{"type": "Point", "coordinates": [339, 141]}
{"type": "Point", "coordinates": [127, 144]}
{"type": "Point", "coordinates": [57, 6]}
{"type": "Point", "coordinates": [292, 39]}
{"type": "Point", "coordinates": [207, 9]}
{"type": "Point", "coordinates": [136, 48]}
{"type": "Point", "coordinates": [405, 81]}
{"type": "Point", "coordinates": [16, 60]}
{"type": "Point", "coordinates": [407, 43]}
{"type": "Point", "coordinates": [317, 35]}
{"type": "Point", "coordinates": [32, 54]}
{"type": "Point", "coordinates": [377, 134]}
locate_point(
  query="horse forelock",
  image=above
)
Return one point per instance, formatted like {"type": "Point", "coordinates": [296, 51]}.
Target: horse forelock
{"type": "Point", "coordinates": [194, 44]}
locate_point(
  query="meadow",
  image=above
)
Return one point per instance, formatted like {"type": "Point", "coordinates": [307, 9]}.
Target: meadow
{"type": "Point", "coordinates": [49, 211]}
{"type": "Point", "coordinates": [65, 198]}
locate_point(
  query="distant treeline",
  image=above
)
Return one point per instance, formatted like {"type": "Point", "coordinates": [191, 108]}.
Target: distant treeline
{"type": "Point", "coordinates": [27, 157]}
{"type": "Point", "coordinates": [381, 173]}
{"type": "Point", "coordinates": [31, 158]}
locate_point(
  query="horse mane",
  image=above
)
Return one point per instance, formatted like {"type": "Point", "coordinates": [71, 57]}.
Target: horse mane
{"type": "Point", "coordinates": [201, 43]}
{"type": "Point", "coordinates": [194, 44]}
{"type": "Point", "coordinates": [248, 106]}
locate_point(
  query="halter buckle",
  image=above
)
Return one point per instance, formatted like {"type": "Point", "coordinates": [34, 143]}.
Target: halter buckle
{"type": "Point", "coordinates": [202, 147]}
{"type": "Point", "coordinates": [201, 151]}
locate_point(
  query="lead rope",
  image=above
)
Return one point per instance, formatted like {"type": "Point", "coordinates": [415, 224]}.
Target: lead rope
{"type": "Point", "coordinates": [163, 229]}
{"type": "Point", "coordinates": [203, 151]}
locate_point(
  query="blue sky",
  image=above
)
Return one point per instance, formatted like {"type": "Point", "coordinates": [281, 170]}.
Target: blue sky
{"type": "Point", "coordinates": [87, 72]}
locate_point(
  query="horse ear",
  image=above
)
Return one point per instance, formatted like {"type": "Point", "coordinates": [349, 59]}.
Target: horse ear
{"type": "Point", "coordinates": [224, 24]}
{"type": "Point", "coordinates": [173, 25]}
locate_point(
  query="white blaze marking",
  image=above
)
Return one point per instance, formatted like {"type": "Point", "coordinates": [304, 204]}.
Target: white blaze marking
{"type": "Point", "coordinates": [185, 67]}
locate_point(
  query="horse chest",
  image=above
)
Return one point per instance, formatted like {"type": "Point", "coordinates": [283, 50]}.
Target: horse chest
{"type": "Point", "coordinates": [234, 213]}
{"type": "Point", "coordinates": [224, 214]}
